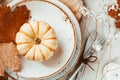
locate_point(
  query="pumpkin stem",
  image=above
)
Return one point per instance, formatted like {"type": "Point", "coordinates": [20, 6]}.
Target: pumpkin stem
{"type": "Point", "coordinates": [37, 41]}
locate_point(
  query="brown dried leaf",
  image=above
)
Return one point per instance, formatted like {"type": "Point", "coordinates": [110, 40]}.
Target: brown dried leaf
{"type": "Point", "coordinates": [1, 67]}
{"type": "Point", "coordinates": [9, 57]}
{"type": "Point", "coordinates": [117, 23]}
{"type": "Point", "coordinates": [3, 23]}
{"type": "Point", "coordinates": [115, 14]}
{"type": "Point", "coordinates": [118, 1]}
{"type": "Point", "coordinates": [11, 21]}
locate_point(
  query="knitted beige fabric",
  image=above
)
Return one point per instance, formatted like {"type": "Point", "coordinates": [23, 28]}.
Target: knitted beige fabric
{"type": "Point", "coordinates": [74, 5]}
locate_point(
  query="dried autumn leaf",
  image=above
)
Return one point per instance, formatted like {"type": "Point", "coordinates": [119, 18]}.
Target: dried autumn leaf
{"type": "Point", "coordinates": [115, 14]}
{"type": "Point", "coordinates": [9, 57]}
{"type": "Point", "coordinates": [1, 67]}
{"type": "Point", "coordinates": [117, 23]}
{"type": "Point", "coordinates": [3, 22]}
{"type": "Point", "coordinates": [11, 21]}
{"type": "Point", "coordinates": [118, 1]}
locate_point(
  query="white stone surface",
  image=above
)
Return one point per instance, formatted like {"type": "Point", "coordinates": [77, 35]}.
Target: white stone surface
{"type": "Point", "coordinates": [99, 20]}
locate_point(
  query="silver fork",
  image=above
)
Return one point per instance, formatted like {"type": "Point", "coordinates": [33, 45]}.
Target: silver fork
{"type": "Point", "coordinates": [96, 46]}
{"type": "Point", "coordinates": [98, 43]}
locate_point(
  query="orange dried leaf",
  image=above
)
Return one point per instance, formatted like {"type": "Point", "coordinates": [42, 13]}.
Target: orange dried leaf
{"type": "Point", "coordinates": [115, 14]}
{"type": "Point", "coordinates": [118, 1]}
{"type": "Point", "coordinates": [11, 21]}
{"type": "Point", "coordinates": [9, 57]}
{"type": "Point", "coordinates": [117, 23]}
{"type": "Point", "coordinates": [2, 67]}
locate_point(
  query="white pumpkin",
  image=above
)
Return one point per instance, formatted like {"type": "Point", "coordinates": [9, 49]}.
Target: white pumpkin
{"type": "Point", "coordinates": [36, 41]}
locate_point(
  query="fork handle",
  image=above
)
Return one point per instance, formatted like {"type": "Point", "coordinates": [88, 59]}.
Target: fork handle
{"type": "Point", "coordinates": [75, 73]}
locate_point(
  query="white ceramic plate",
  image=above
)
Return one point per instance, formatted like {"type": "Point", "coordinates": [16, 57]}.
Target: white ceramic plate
{"type": "Point", "coordinates": [66, 27]}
